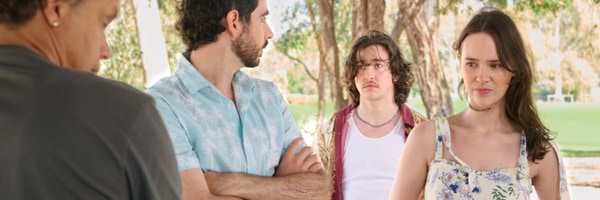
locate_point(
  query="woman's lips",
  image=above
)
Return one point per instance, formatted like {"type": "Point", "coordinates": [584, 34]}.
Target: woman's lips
{"type": "Point", "coordinates": [483, 91]}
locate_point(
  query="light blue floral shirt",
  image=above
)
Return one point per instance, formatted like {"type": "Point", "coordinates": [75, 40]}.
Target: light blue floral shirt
{"type": "Point", "coordinates": [207, 131]}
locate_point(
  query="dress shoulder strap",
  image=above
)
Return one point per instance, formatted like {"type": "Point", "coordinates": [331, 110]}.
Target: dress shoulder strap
{"type": "Point", "coordinates": [523, 164]}
{"type": "Point", "coordinates": [441, 127]}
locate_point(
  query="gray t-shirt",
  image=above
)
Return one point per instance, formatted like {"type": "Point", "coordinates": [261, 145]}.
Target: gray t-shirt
{"type": "Point", "coordinates": [73, 135]}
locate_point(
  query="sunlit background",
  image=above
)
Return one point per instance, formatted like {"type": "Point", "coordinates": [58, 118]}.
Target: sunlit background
{"type": "Point", "coordinates": [562, 37]}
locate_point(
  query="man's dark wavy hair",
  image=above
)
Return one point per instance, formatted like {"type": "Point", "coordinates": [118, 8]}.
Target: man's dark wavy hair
{"type": "Point", "coordinates": [17, 12]}
{"type": "Point", "coordinates": [201, 21]}
{"type": "Point", "coordinates": [399, 68]}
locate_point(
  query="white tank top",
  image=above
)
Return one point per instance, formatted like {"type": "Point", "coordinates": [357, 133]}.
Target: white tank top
{"type": "Point", "coordinates": [370, 164]}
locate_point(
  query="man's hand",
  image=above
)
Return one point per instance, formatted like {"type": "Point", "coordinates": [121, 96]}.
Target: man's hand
{"type": "Point", "coordinates": [292, 163]}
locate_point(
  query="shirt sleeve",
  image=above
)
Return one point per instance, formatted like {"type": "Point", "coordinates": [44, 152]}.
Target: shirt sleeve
{"type": "Point", "coordinates": [324, 146]}
{"type": "Point", "coordinates": [150, 161]}
{"type": "Point", "coordinates": [291, 129]}
{"type": "Point", "coordinates": [186, 157]}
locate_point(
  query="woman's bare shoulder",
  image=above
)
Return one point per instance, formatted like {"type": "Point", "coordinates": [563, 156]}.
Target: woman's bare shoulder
{"type": "Point", "coordinates": [422, 141]}
{"type": "Point", "coordinates": [548, 164]}
{"type": "Point", "coordinates": [424, 130]}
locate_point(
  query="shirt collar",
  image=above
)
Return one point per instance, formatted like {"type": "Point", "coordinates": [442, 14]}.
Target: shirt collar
{"type": "Point", "coordinates": [194, 81]}
{"type": "Point", "coordinates": [242, 80]}
{"type": "Point", "coordinates": [407, 116]}
{"type": "Point", "coordinates": [190, 77]}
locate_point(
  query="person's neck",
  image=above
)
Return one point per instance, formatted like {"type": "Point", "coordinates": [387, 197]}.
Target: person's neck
{"type": "Point", "coordinates": [217, 64]}
{"type": "Point", "coordinates": [485, 120]}
{"type": "Point", "coordinates": [33, 35]}
{"type": "Point", "coordinates": [377, 112]}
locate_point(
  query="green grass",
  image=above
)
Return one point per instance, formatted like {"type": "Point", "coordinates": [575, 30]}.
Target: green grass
{"type": "Point", "coordinates": [301, 112]}
{"type": "Point", "coordinates": [577, 125]}
{"type": "Point", "coordinates": [580, 153]}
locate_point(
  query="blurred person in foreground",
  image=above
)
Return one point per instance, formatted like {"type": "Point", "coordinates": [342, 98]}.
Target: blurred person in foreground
{"type": "Point", "coordinates": [66, 134]}
{"type": "Point", "coordinates": [361, 145]}
{"type": "Point", "coordinates": [234, 135]}
{"type": "Point", "coordinates": [498, 147]}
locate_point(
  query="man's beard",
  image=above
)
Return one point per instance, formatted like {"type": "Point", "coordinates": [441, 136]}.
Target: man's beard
{"type": "Point", "coordinates": [245, 48]}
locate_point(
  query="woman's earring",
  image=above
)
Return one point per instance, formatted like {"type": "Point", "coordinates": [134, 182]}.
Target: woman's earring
{"type": "Point", "coordinates": [54, 24]}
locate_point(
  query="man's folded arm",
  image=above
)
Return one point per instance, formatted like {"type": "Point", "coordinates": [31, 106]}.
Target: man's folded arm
{"type": "Point", "coordinates": [194, 187]}
{"type": "Point", "coordinates": [298, 176]}
{"type": "Point", "coordinates": [301, 186]}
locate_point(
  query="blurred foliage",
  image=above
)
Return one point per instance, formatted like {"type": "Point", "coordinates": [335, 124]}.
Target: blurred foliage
{"type": "Point", "coordinates": [448, 6]}
{"type": "Point", "coordinates": [168, 11]}
{"type": "Point", "coordinates": [125, 64]}
{"type": "Point", "coordinates": [299, 30]}
{"type": "Point", "coordinates": [343, 28]}
{"type": "Point", "coordinates": [539, 7]}
{"type": "Point", "coordinates": [299, 38]}
{"type": "Point", "coordinates": [544, 7]}
{"type": "Point", "coordinates": [297, 84]}
{"type": "Point", "coordinates": [578, 38]}
{"type": "Point", "coordinates": [294, 43]}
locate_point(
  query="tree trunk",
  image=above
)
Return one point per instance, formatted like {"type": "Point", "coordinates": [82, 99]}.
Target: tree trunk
{"type": "Point", "coordinates": [434, 89]}
{"type": "Point", "coordinates": [558, 79]}
{"type": "Point", "coordinates": [367, 15]}
{"type": "Point", "coordinates": [331, 51]}
{"type": "Point", "coordinates": [321, 103]}
{"type": "Point", "coordinates": [152, 41]}
{"type": "Point", "coordinates": [432, 83]}
{"type": "Point", "coordinates": [407, 11]}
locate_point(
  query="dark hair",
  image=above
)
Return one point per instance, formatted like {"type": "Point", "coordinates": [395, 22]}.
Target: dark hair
{"type": "Point", "coordinates": [201, 21]}
{"type": "Point", "coordinates": [399, 68]}
{"type": "Point", "coordinates": [17, 12]}
{"type": "Point", "coordinates": [519, 106]}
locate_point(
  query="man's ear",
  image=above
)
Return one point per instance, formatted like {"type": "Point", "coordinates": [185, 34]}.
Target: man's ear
{"type": "Point", "coordinates": [55, 11]}
{"type": "Point", "coordinates": [233, 23]}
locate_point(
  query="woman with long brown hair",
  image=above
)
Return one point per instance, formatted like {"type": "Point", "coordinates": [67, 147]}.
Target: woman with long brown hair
{"type": "Point", "coordinates": [498, 147]}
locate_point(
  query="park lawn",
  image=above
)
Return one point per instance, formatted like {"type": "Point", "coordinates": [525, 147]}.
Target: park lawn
{"type": "Point", "coordinates": [302, 111]}
{"type": "Point", "coordinates": [577, 125]}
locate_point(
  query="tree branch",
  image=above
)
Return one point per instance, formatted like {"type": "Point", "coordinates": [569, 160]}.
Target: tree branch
{"type": "Point", "coordinates": [400, 24]}
{"type": "Point", "coordinates": [303, 64]}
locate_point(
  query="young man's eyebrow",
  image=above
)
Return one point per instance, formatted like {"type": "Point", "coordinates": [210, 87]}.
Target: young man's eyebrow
{"type": "Point", "coordinates": [265, 13]}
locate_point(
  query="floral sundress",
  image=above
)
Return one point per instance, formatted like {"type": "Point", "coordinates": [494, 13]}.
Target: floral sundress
{"type": "Point", "coordinates": [448, 179]}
